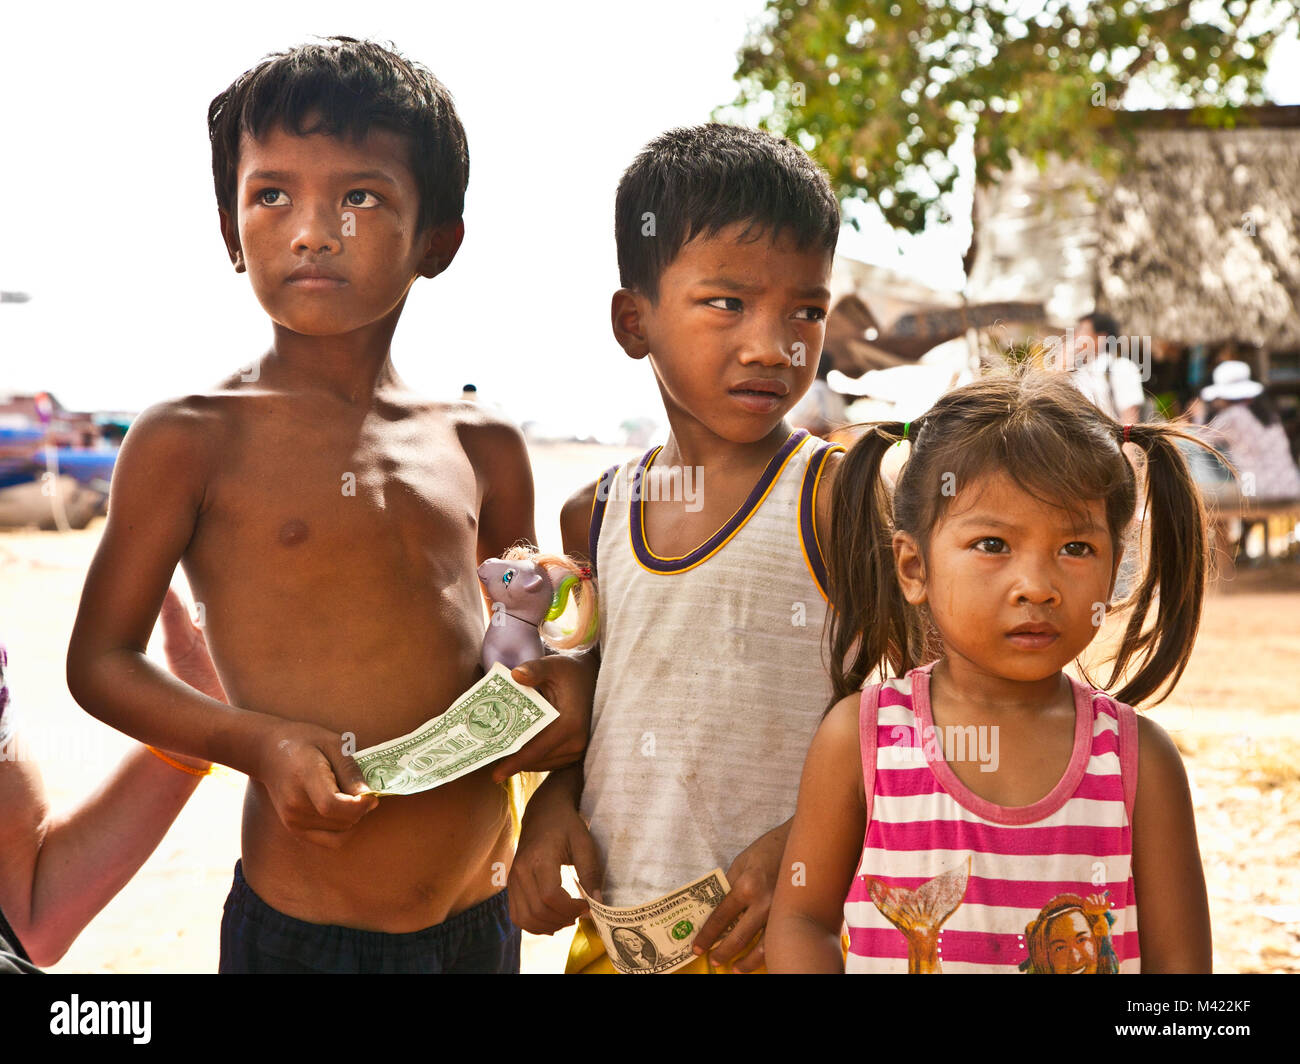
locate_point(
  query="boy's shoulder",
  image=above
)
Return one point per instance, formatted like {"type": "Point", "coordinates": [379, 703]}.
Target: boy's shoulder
{"type": "Point", "coordinates": [188, 425]}
{"type": "Point", "coordinates": [575, 520]}
{"type": "Point", "coordinates": [495, 447]}
{"type": "Point", "coordinates": [471, 419]}
{"type": "Point", "coordinates": [201, 423]}
{"type": "Point", "coordinates": [236, 396]}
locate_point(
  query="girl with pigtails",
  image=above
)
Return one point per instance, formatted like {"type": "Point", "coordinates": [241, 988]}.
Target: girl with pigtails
{"type": "Point", "coordinates": [964, 791]}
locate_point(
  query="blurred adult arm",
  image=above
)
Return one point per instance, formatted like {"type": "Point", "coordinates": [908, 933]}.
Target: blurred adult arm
{"type": "Point", "coordinates": [57, 871]}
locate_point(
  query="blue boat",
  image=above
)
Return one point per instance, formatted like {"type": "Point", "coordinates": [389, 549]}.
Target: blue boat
{"type": "Point", "coordinates": [61, 487]}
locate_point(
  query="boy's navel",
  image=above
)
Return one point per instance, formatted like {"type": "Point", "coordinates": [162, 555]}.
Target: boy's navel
{"type": "Point", "coordinates": [293, 532]}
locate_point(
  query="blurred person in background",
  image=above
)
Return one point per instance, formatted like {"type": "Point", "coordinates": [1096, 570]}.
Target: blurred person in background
{"type": "Point", "coordinates": [1110, 382]}
{"type": "Point", "coordinates": [821, 411]}
{"type": "Point", "coordinates": [1246, 423]}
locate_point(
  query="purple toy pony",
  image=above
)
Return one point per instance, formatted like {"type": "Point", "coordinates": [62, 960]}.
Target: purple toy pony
{"type": "Point", "coordinates": [528, 589]}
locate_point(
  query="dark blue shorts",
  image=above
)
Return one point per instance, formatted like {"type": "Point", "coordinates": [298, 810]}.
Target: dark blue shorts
{"type": "Point", "coordinates": [256, 938]}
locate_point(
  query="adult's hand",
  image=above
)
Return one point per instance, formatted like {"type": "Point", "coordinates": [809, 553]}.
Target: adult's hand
{"type": "Point", "coordinates": [186, 649]}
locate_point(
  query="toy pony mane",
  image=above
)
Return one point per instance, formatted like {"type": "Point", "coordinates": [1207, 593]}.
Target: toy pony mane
{"type": "Point", "coordinates": [571, 582]}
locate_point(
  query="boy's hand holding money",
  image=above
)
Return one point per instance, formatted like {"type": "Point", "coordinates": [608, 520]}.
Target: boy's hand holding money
{"type": "Point", "coordinates": [567, 682]}
{"type": "Point", "coordinates": [752, 876]}
{"type": "Point", "coordinates": [316, 788]}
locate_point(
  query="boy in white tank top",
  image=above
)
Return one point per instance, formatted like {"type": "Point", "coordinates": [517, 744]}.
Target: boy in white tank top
{"type": "Point", "coordinates": [707, 552]}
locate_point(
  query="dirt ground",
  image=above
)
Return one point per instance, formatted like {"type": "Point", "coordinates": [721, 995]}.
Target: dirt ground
{"type": "Point", "coordinates": [1234, 715]}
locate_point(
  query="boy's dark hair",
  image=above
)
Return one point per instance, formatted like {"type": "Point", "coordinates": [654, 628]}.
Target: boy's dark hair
{"type": "Point", "coordinates": [350, 86]}
{"type": "Point", "coordinates": [1103, 324]}
{"type": "Point", "coordinates": [700, 179]}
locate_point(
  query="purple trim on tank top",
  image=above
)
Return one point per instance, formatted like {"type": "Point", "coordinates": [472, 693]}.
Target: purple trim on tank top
{"type": "Point", "coordinates": [636, 513]}
{"type": "Point", "coordinates": [807, 526]}
{"type": "Point", "coordinates": [598, 505]}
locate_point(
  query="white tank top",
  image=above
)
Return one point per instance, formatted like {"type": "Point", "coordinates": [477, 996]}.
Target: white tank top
{"type": "Point", "coordinates": [712, 679]}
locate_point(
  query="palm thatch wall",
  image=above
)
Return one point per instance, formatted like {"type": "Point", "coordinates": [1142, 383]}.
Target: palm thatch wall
{"type": "Point", "coordinates": [1196, 241]}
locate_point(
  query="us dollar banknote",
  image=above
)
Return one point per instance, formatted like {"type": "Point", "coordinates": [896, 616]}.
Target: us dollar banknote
{"type": "Point", "coordinates": [657, 937]}
{"type": "Point", "coordinates": [492, 719]}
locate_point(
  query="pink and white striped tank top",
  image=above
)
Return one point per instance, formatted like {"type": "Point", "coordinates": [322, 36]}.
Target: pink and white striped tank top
{"type": "Point", "coordinates": [950, 882]}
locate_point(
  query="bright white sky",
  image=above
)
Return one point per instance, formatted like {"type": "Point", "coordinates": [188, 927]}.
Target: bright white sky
{"type": "Point", "coordinates": [111, 224]}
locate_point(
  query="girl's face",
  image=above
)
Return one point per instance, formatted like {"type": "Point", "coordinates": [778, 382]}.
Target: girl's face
{"type": "Point", "coordinates": [1016, 586]}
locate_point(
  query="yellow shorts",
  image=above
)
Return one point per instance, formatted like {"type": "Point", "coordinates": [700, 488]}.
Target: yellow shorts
{"type": "Point", "coordinates": [587, 957]}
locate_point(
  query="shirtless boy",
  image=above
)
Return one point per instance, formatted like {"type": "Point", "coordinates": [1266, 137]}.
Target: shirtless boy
{"type": "Point", "coordinates": [330, 523]}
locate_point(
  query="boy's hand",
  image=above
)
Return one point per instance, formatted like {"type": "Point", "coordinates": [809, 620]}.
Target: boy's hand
{"type": "Point", "coordinates": [316, 789]}
{"type": "Point", "coordinates": [553, 835]}
{"type": "Point", "coordinates": [752, 876]}
{"type": "Point", "coordinates": [569, 684]}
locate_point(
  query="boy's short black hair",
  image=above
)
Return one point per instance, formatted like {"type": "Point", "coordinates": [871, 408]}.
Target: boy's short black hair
{"type": "Point", "coordinates": [1103, 324]}
{"type": "Point", "coordinates": [700, 179]}
{"type": "Point", "coordinates": [351, 86]}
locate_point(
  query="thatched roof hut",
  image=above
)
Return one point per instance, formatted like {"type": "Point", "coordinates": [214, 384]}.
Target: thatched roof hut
{"type": "Point", "coordinates": [1197, 241]}
{"type": "Point", "coordinates": [881, 319]}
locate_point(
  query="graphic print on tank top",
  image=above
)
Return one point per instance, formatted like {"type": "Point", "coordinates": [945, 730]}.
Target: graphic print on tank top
{"type": "Point", "coordinates": [948, 881]}
{"type": "Point", "coordinates": [1070, 935]}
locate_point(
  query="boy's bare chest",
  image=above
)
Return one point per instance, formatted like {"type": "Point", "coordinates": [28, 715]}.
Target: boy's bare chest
{"type": "Point", "coordinates": [295, 494]}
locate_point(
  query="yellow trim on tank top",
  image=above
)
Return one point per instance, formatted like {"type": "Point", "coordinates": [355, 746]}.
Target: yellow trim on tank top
{"type": "Point", "coordinates": [753, 510]}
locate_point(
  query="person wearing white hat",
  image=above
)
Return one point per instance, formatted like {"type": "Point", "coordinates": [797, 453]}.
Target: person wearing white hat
{"type": "Point", "coordinates": [1232, 382]}
{"type": "Point", "coordinates": [1248, 426]}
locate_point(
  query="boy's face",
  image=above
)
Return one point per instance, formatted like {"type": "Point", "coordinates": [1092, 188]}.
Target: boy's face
{"type": "Point", "coordinates": [326, 228]}
{"type": "Point", "coordinates": [736, 333]}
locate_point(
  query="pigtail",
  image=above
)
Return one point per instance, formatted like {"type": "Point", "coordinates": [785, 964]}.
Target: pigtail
{"type": "Point", "coordinates": [870, 622]}
{"type": "Point", "coordinates": [1175, 576]}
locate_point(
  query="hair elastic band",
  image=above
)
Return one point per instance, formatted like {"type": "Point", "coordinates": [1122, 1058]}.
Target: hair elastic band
{"type": "Point", "coordinates": [200, 772]}
{"type": "Point", "coordinates": [906, 426]}
{"type": "Point", "coordinates": [1126, 431]}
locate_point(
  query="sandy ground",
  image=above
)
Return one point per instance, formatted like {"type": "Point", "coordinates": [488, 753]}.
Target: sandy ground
{"type": "Point", "coordinates": [1234, 716]}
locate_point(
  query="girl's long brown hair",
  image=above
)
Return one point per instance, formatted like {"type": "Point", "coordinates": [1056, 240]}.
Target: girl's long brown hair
{"type": "Point", "coordinates": [1035, 427]}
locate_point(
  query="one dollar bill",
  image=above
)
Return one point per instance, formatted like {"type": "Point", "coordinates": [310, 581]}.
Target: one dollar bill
{"type": "Point", "coordinates": [657, 937]}
{"type": "Point", "coordinates": [494, 718]}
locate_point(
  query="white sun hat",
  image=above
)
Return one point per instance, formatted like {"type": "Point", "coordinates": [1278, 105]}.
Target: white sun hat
{"type": "Point", "coordinates": [1231, 381]}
